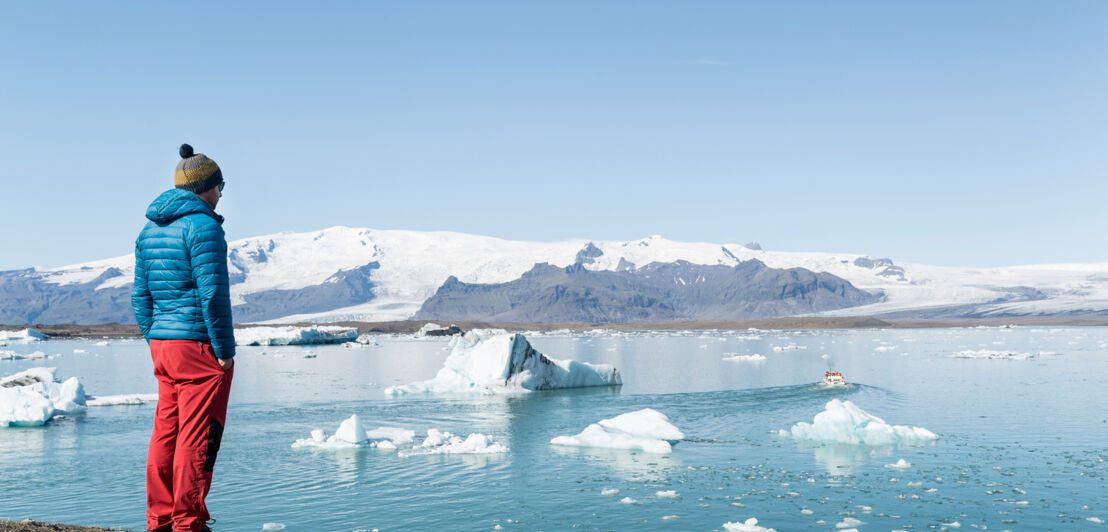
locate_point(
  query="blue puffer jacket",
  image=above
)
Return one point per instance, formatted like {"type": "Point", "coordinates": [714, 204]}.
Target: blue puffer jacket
{"type": "Point", "coordinates": [181, 287]}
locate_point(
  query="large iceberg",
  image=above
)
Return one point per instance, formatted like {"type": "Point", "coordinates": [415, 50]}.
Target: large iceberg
{"type": "Point", "coordinates": [25, 335]}
{"type": "Point", "coordinates": [295, 335]}
{"type": "Point", "coordinates": [30, 398]}
{"type": "Point", "coordinates": [843, 422]}
{"type": "Point", "coordinates": [507, 363]}
{"type": "Point", "coordinates": [646, 430]}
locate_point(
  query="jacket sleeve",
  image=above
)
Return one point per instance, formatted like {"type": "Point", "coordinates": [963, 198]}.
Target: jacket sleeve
{"type": "Point", "coordinates": [141, 300]}
{"type": "Point", "coordinates": [208, 252]}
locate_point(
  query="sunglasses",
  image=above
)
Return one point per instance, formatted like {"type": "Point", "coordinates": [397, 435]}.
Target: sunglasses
{"type": "Point", "coordinates": [221, 185]}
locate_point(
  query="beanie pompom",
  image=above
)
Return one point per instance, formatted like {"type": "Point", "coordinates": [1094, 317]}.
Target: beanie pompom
{"type": "Point", "coordinates": [186, 151]}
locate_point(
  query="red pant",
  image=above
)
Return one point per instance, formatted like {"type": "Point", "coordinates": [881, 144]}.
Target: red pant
{"type": "Point", "coordinates": [188, 426]}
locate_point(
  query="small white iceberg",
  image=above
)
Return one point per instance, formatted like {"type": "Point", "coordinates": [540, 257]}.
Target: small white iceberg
{"type": "Point", "coordinates": [121, 400]}
{"type": "Point", "coordinates": [646, 430]}
{"type": "Point", "coordinates": [992, 355]}
{"type": "Point", "coordinates": [30, 398]}
{"type": "Point", "coordinates": [746, 358]}
{"type": "Point", "coordinates": [24, 335]}
{"type": "Point", "coordinates": [352, 434]}
{"type": "Point", "coordinates": [507, 363]}
{"type": "Point", "coordinates": [843, 422]}
{"type": "Point", "coordinates": [901, 464]}
{"type": "Point", "coordinates": [266, 336]}
{"type": "Point", "coordinates": [750, 525]}
{"type": "Point", "coordinates": [438, 442]}
{"type": "Point", "coordinates": [12, 355]}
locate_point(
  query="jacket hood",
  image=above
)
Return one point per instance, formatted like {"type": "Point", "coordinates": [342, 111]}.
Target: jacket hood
{"type": "Point", "coordinates": [175, 203]}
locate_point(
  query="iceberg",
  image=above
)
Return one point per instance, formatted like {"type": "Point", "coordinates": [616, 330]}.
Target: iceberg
{"type": "Point", "coordinates": [746, 358]}
{"type": "Point", "coordinates": [993, 355]}
{"type": "Point", "coordinates": [646, 430]}
{"type": "Point", "coordinates": [266, 336]}
{"type": "Point", "coordinates": [750, 525]}
{"type": "Point", "coordinates": [120, 400]}
{"type": "Point", "coordinates": [25, 335]}
{"type": "Point", "coordinates": [12, 355]}
{"type": "Point", "coordinates": [507, 363]}
{"type": "Point", "coordinates": [30, 398]}
{"type": "Point", "coordinates": [843, 422]}
{"type": "Point", "coordinates": [438, 442]}
{"type": "Point", "coordinates": [351, 434]}
{"type": "Point", "coordinates": [434, 329]}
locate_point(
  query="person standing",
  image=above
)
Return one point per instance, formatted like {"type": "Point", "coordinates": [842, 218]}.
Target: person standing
{"type": "Point", "coordinates": [182, 303]}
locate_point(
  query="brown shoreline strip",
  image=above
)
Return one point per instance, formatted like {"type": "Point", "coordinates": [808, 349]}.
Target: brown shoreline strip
{"type": "Point", "coordinates": [28, 525]}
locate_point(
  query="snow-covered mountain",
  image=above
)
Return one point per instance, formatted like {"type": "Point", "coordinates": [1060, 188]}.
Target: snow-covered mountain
{"type": "Point", "coordinates": [344, 273]}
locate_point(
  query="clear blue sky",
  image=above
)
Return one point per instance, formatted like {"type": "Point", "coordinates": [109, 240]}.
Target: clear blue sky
{"type": "Point", "coordinates": [960, 133]}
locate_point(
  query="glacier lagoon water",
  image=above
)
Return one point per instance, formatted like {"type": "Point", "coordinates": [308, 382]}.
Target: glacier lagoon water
{"type": "Point", "coordinates": [1023, 443]}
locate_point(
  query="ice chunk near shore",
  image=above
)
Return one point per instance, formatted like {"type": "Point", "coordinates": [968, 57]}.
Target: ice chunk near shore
{"type": "Point", "coordinates": [843, 422]}
{"type": "Point", "coordinates": [267, 336]}
{"type": "Point", "coordinates": [30, 398]}
{"type": "Point", "coordinates": [750, 525]}
{"type": "Point", "coordinates": [25, 335]}
{"type": "Point", "coordinates": [646, 430]}
{"type": "Point", "coordinates": [507, 364]}
{"type": "Point", "coordinates": [120, 400]}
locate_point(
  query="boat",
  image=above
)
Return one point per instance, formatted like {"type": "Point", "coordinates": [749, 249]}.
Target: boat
{"type": "Point", "coordinates": [833, 378]}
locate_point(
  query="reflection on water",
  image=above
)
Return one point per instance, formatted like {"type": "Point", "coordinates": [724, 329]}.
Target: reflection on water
{"type": "Point", "coordinates": [1022, 442]}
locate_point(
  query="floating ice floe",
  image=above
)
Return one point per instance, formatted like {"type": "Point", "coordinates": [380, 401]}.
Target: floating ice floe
{"type": "Point", "coordinates": [844, 422]}
{"type": "Point", "coordinates": [746, 358]}
{"type": "Point", "coordinates": [120, 400]}
{"type": "Point", "coordinates": [12, 355]}
{"type": "Point", "coordinates": [25, 335]}
{"type": "Point", "coordinates": [507, 364]}
{"type": "Point", "coordinates": [790, 347]}
{"type": "Point", "coordinates": [273, 526]}
{"type": "Point", "coordinates": [438, 442]}
{"type": "Point", "coordinates": [667, 494]}
{"type": "Point", "coordinates": [901, 464]}
{"type": "Point", "coordinates": [993, 355]}
{"type": "Point", "coordinates": [646, 430]}
{"type": "Point", "coordinates": [266, 336]}
{"type": "Point", "coordinates": [351, 434]}
{"type": "Point", "coordinates": [750, 525]}
{"type": "Point", "coordinates": [30, 398]}
{"type": "Point", "coordinates": [848, 522]}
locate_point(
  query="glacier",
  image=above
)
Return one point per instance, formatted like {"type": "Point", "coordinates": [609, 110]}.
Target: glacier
{"type": "Point", "coordinates": [411, 265]}
{"type": "Point", "coordinates": [645, 430]}
{"type": "Point", "coordinates": [34, 396]}
{"type": "Point", "coordinates": [843, 422]}
{"type": "Point", "coordinates": [506, 363]}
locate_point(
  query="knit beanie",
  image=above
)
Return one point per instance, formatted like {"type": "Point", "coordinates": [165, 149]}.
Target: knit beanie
{"type": "Point", "coordinates": [196, 173]}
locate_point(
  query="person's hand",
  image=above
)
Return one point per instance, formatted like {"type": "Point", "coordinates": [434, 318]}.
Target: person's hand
{"type": "Point", "coordinates": [225, 363]}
